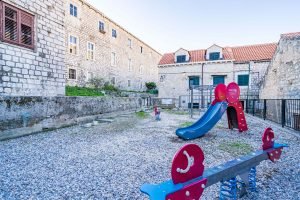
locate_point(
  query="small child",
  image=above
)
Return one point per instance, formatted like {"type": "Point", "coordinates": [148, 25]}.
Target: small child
{"type": "Point", "coordinates": [157, 113]}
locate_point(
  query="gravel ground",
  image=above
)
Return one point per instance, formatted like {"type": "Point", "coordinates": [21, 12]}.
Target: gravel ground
{"type": "Point", "coordinates": [112, 160]}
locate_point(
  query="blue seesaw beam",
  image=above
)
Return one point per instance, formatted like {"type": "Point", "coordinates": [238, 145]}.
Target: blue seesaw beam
{"type": "Point", "coordinates": [213, 175]}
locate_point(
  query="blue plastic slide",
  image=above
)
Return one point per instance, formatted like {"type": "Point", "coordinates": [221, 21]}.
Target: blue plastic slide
{"type": "Point", "coordinates": [205, 123]}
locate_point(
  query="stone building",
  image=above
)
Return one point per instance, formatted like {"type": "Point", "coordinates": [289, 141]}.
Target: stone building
{"type": "Point", "coordinates": [32, 48]}
{"type": "Point", "coordinates": [96, 46]}
{"type": "Point", "coordinates": [282, 80]}
{"type": "Point", "coordinates": [182, 69]}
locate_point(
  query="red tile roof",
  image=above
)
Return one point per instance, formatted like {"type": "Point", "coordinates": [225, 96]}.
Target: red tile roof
{"type": "Point", "coordinates": [290, 35]}
{"type": "Point", "coordinates": [254, 52]}
{"type": "Point", "coordinates": [238, 54]}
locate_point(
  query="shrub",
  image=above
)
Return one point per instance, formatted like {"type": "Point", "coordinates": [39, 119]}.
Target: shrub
{"type": "Point", "coordinates": [110, 87]}
{"type": "Point", "coordinates": [150, 85]}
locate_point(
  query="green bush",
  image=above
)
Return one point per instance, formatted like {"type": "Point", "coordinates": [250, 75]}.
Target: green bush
{"type": "Point", "coordinates": [110, 87]}
{"type": "Point", "coordinates": [82, 91]}
{"type": "Point", "coordinates": [150, 85]}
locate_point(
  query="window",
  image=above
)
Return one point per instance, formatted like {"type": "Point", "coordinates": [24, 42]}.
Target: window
{"type": "Point", "coordinates": [73, 44]}
{"type": "Point", "coordinates": [129, 83]}
{"type": "Point", "coordinates": [114, 33]}
{"type": "Point", "coordinates": [90, 51]}
{"type": "Point", "coordinates": [243, 80]}
{"type": "Point", "coordinates": [113, 59]}
{"type": "Point", "coordinates": [113, 80]}
{"type": "Point", "coordinates": [101, 27]}
{"type": "Point", "coordinates": [214, 56]}
{"type": "Point", "coordinates": [141, 49]}
{"type": "Point", "coordinates": [17, 27]}
{"type": "Point", "coordinates": [73, 10]}
{"type": "Point", "coordinates": [181, 59]}
{"type": "Point", "coordinates": [194, 81]}
{"type": "Point", "coordinates": [72, 74]}
{"type": "Point", "coordinates": [89, 76]}
{"type": "Point", "coordinates": [141, 69]}
{"type": "Point", "coordinates": [129, 43]}
{"type": "Point", "coordinates": [129, 65]}
{"type": "Point", "coordinates": [218, 79]}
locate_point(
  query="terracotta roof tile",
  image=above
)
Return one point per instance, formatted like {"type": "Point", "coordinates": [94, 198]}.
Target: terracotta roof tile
{"type": "Point", "coordinates": [167, 58]}
{"type": "Point", "coordinates": [239, 54]}
{"type": "Point", "coordinates": [254, 52]}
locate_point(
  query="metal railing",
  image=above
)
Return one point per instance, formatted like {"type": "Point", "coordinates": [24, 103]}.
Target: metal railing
{"type": "Point", "coordinates": [282, 111]}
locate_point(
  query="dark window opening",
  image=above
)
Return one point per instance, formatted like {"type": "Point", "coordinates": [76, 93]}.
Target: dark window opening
{"type": "Point", "coordinates": [114, 33]}
{"type": "Point", "coordinates": [214, 56]}
{"type": "Point", "coordinates": [101, 27]}
{"type": "Point", "coordinates": [181, 59]}
{"type": "Point", "coordinates": [73, 10]}
{"type": "Point", "coordinates": [218, 80]}
{"type": "Point", "coordinates": [72, 74]}
{"type": "Point", "coordinates": [243, 80]}
{"type": "Point", "coordinates": [194, 81]}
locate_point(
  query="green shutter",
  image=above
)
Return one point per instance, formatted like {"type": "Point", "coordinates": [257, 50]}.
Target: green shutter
{"type": "Point", "coordinates": [243, 80]}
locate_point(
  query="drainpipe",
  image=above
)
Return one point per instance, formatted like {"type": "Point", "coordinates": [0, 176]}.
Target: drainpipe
{"type": "Point", "coordinates": [247, 103]}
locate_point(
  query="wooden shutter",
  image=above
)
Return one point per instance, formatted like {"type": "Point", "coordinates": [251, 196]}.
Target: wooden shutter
{"type": "Point", "coordinates": [27, 29]}
{"type": "Point", "coordinates": [10, 24]}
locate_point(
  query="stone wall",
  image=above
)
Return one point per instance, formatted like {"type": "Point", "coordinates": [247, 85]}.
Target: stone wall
{"type": "Point", "coordinates": [38, 71]}
{"type": "Point", "coordinates": [282, 80]}
{"type": "Point", "coordinates": [25, 115]}
{"type": "Point", "coordinates": [85, 27]}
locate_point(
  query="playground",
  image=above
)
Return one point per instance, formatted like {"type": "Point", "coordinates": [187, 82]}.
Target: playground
{"type": "Point", "coordinates": [112, 160]}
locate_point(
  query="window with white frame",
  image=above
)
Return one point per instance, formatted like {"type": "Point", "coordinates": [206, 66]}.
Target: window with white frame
{"type": "Point", "coordinates": [129, 43]}
{"type": "Point", "coordinates": [73, 45]}
{"type": "Point", "coordinates": [113, 59]}
{"type": "Point", "coordinates": [90, 51]}
{"type": "Point", "coordinates": [73, 10]}
{"type": "Point", "coordinates": [101, 27]}
{"type": "Point", "coordinates": [113, 80]}
{"type": "Point", "coordinates": [129, 83]}
{"type": "Point", "coordinates": [114, 33]}
{"type": "Point", "coordinates": [72, 73]}
{"type": "Point", "coordinates": [141, 69]}
{"type": "Point", "coordinates": [129, 65]}
{"type": "Point", "coordinates": [89, 76]}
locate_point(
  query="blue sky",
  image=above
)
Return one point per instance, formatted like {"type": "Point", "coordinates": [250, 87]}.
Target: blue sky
{"type": "Point", "coordinates": [167, 25]}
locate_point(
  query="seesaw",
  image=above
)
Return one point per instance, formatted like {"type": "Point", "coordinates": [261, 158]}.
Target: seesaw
{"type": "Point", "coordinates": [189, 179]}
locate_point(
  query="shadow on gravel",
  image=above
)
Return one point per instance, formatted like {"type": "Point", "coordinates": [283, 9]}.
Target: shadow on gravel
{"type": "Point", "coordinates": [176, 139]}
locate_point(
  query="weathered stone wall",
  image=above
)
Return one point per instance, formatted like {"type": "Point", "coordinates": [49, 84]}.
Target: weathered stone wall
{"type": "Point", "coordinates": [40, 71]}
{"type": "Point", "coordinates": [86, 28]}
{"type": "Point", "coordinates": [282, 80]}
{"type": "Point", "coordinates": [24, 115]}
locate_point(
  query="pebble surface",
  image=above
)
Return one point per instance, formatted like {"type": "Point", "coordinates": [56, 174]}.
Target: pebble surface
{"type": "Point", "coordinates": [112, 160]}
